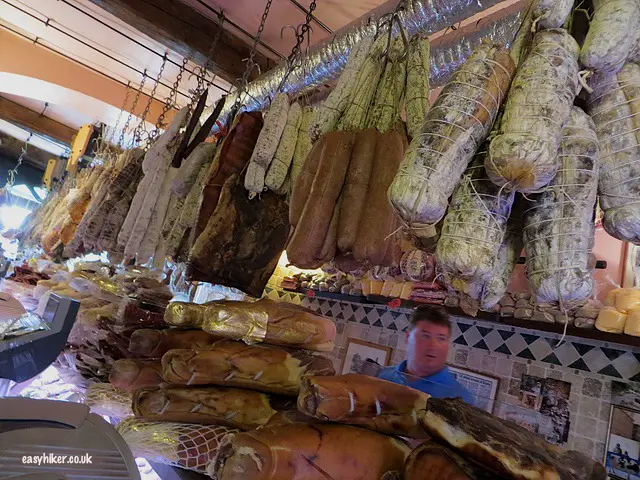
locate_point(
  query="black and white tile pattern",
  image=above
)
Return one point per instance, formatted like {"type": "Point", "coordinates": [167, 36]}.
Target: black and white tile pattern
{"type": "Point", "coordinates": [581, 355]}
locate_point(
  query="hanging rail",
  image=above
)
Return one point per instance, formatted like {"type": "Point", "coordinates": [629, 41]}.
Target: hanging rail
{"type": "Point", "coordinates": [325, 61]}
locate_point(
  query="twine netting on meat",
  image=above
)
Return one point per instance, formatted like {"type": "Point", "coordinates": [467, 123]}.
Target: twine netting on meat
{"type": "Point", "coordinates": [193, 447]}
{"type": "Point", "coordinates": [614, 106]}
{"type": "Point", "coordinates": [539, 103]}
{"type": "Point", "coordinates": [618, 126]}
{"type": "Point", "coordinates": [105, 399]}
{"type": "Point", "coordinates": [475, 225]}
{"type": "Point", "coordinates": [433, 165]}
{"type": "Point", "coordinates": [558, 225]}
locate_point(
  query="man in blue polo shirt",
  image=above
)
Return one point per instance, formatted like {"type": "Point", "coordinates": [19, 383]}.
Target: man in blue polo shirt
{"type": "Point", "coordinates": [427, 350]}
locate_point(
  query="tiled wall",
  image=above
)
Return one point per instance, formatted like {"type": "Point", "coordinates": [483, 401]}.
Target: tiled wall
{"type": "Point", "coordinates": [504, 352]}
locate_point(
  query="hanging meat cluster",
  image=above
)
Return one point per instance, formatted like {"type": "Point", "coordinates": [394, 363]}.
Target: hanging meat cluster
{"type": "Point", "coordinates": [502, 127]}
{"type": "Point", "coordinates": [338, 208]}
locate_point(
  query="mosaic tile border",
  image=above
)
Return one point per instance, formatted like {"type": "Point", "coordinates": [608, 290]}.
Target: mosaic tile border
{"type": "Point", "coordinates": [581, 355]}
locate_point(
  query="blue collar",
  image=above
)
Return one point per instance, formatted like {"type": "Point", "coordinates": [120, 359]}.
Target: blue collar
{"type": "Point", "coordinates": [440, 374]}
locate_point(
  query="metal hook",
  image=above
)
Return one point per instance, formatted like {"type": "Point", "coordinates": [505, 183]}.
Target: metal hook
{"type": "Point", "coordinates": [255, 65]}
{"type": "Point", "coordinates": [395, 17]}
{"type": "Point", "coordinates": [288, 25]}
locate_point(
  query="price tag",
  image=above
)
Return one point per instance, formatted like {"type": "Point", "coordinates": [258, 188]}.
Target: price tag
{"type": "Point", "coordinates": [395, 303]}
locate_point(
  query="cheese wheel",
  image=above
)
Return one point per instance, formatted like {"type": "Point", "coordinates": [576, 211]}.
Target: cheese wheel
{"type": "Point", "coordinates": [611, 320]}
{"type": "Point", "coordinates": [632, 327]}
{"type": "Point", "coordinates": [610, 299]}
{"type": "Point", "coordinates": [627, 300]}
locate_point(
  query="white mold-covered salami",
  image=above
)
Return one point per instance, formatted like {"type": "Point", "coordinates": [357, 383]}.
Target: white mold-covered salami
{"type": "Point", "coordinates": [611, 36]}
{"type": "Point", "coordinates": [279, 168]}
{"type": "Point", "coordinates": [524, 156]}
{"type": "Point", "coordinates": [167, 138]}
{"type": "Point", "coordinates": [274, 123]}
{"type": "Point", "coordinates": [614, 106]}
{"type": "Point", "coordinates": [188, 171]}
{"type": "Point", "coordinates": [551, 13]}
{"type": "Point", "coordinates": [327, 116]}
{"type": "Point", "coordinates": [152, 235]}
{"type": "Point", "coordinates": [254, 179]}
{"type": "Point", "coordinates": [558, 222]}
{"type": "Point", "coordinates": [187, 218]}
{"type": "Point", "coordinates": [157, 160]}
{"type": "Point", "coordinates": [455, 127]}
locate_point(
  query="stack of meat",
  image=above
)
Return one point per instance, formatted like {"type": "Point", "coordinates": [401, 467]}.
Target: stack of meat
{"type": "Point", "coordinates": [110, 309]}
{"type": "Point", "coordinates": [221, 367]}
{"type": "Point", "coordinates": [459, 442]}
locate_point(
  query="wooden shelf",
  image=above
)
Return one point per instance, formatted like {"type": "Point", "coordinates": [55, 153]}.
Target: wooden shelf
{"type": "Point", "coordinates": [591, 334]}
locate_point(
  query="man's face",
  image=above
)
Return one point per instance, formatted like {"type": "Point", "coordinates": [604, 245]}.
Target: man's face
{"type": "Point", "coordinates": [427, 348]}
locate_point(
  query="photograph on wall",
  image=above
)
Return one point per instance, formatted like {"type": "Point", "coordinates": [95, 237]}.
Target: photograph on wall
{"type": "Point", "coordinates": [525, 417]}
{"type": "Point", "coordinates": [623, 444]}
{"type": "Point", "coordinates": [483, 387]}
{"type": "Point", "coordinates": [365, 357]}
{"type": "Point", "coordinates": [626, 394]}
{"type": "Point", "coordinates": [545, 405]}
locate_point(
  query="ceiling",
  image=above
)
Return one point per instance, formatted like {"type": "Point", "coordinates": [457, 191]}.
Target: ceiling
{"type": "Point", "coordinates": [330, 15]}
{"type": "Point", "coordinates": [84, 34]}
{"type": "Point", "coordinates": [67, 116]}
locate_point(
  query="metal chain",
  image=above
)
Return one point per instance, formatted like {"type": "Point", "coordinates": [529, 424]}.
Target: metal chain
{"type": "Point", "coordinates": [244, 81]}
{"type": "Point", "coordinates": [11, 178]}
{"type": "Point", "coordinates": [133, 107]}
{"type": "Point", "coordinates": [170, 103]}
{"type": "Point", "coordinates": [142, 126]}
{"type": "Point", "coordinates": [296, 51]}
{"type": "Point", "coordinates": [124, 105]}
{"type": "Point", "coordinates": [201, 71]}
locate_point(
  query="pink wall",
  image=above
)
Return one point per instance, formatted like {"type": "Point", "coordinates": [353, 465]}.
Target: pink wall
{"type": "Point", "coordinates": [606, 248]}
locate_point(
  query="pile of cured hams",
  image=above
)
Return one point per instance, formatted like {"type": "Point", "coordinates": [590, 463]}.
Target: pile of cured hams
{"type": "Point", "coordinates": [240, 390]}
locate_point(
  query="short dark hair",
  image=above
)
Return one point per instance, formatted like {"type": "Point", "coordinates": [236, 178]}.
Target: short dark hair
{"type": "Point", "coordinates": [428, 313]}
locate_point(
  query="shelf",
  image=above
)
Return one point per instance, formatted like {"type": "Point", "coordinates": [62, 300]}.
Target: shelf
{"type": "Point", "coordinates": [591, 334]}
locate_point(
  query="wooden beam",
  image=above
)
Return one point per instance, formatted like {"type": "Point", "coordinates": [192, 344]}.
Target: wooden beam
{"type": "Point", "coordinates": [33, 121]}
{"type": "Point", "coordinates": [185, 31]}
{"type": "Point", "coordinates": [11, 148]}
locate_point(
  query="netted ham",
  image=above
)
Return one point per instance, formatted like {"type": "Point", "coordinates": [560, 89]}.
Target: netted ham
{"type": "Point", "coordinates": [558, 222]}
{"type": "Point", "coordinates": [193, 447]}
{"type": "Point", "coordinates": [234, 364]}
{"type": "Point", "coordinates": [232, 407]}
{"type": "Point", "coordinates": [364, 401]}
{"type": "Point", "coordinates": [310, 452]}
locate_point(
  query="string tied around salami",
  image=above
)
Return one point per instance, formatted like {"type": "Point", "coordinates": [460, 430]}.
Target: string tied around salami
{"type": "Point", "coordinates": [437, 158]}
{"type": "Point", "coordinates": [614, 106]}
